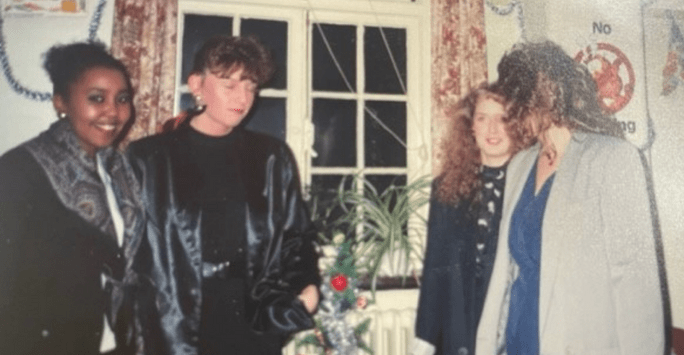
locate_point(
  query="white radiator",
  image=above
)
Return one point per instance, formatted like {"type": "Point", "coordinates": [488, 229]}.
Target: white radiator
{"type": "Point", "coordinates": [390, 333]}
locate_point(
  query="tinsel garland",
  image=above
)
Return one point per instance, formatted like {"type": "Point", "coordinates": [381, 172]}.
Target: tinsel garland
{"type": "Point", "coordinates": [507, 10]}
{"type": "Point", "coordinates": [7, 69]}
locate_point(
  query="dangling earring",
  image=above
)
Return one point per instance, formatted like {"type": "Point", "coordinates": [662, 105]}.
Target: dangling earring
{"type": "Point", "coordinates": [62, 115]}
{"type": "Point", "coordinates": [199, 105]}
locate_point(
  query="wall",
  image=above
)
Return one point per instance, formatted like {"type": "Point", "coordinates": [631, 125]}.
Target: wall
{"type": "Point", "coordinates": [541, 20]}
{"type": "Point", "coordinates": [27, 37]}
{"type": "Point", "coordinates": [667, 112]}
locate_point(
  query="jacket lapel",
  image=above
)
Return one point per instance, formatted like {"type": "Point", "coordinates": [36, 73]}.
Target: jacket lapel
{"type": "Point", "coordinates": [558, 224]}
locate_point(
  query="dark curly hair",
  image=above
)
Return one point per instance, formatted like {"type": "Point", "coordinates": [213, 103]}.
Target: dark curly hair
{"type": "Point", "coordinates": [223, 55]}
{"type": "Point", "coordinates": [540, 78]}
{"type": "Point", "coordinates": [460, 177]}
{"type": "Point", "coordinates": [65, 64]}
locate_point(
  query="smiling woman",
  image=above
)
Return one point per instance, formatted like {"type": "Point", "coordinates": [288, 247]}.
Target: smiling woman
{"type": "Point", "coordinates": [98, 106]}
{"type": "Point", "coordinates": [70, 217]}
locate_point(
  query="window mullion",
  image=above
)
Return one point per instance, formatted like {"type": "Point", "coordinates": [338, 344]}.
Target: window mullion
{"type": "Point", "coordinates": [361, 99]}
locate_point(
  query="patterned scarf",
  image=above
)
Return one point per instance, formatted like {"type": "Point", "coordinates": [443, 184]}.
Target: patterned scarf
{"type": "Point", "coordinates": [74, 177]}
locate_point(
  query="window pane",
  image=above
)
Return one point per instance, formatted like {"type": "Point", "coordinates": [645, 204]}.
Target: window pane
{"type": "Point", "coordinates": [382, 148]}
{"type": "Point", "coordinates": [197, 29]}
{"type": "Point", "coordinates": [273, 35]}
{"type": "Point", "coordinates": [186, 102]}
{"type": "Point", "coordinates": [335, 132]}
{"type": "Point", "coordinates": [268, 117]}
{"type": "Point", "coordinates": [342, 40]}
{"type": "Point", "coordinates": [381, 76]}
{"type": "Point", "coordinates": [324, 205]}
{"type": "Point", "coordinates": [382, 182]}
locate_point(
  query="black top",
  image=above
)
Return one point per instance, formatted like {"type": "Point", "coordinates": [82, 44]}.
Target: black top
{"type": "Point", "coordinates": [488, 219]}
{"type": "Point", "coordinates": [214, 178]}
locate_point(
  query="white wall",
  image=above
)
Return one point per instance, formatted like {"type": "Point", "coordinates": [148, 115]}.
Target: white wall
{"type": "Point", "coordinates": [27, 38]}
{"type": "Point", "coordinates": [667, 153]}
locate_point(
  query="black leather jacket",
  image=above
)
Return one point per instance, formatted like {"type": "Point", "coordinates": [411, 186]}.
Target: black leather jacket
{"type": "Point", "coordinates": [280, 257]}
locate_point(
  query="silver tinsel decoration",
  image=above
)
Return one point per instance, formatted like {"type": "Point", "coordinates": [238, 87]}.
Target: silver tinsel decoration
{"type": "Point", "coordinates": [332, 316]}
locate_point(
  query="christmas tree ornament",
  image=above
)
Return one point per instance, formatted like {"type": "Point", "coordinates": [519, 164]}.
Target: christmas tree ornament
{"type": "Point", "coordinates": [333, 335]}
{"type": "Point", "coordinates": [339, 282]}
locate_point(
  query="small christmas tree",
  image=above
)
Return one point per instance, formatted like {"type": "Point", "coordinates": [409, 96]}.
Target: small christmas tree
{"type": "Point", "coordinates": [332, 334]}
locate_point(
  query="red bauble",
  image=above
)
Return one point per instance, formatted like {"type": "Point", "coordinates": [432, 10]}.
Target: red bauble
{"type": "Point", "coordinates": [339, 282]}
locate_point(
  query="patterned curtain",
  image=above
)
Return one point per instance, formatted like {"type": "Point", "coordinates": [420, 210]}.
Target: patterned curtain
{"type": "Point", "coordinates": [459, 60]}
{"type": "Point", "coordinates": [144, 37]}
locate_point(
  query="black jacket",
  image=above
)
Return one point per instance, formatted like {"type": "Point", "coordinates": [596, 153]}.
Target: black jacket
{"type": "Point", "coordinates": [447, 313]}
{"type": "Point", "coordinates": [51, 261]}
{"type": "Point", "coordinates": [280, 257]}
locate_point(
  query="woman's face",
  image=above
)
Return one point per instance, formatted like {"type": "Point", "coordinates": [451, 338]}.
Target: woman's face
{"type": "Point", "coordinates": [98, 107]}
{"type": "Point", "coordinates": [490, 132]}
{"type": "Point", "coordinates": [228, 100]}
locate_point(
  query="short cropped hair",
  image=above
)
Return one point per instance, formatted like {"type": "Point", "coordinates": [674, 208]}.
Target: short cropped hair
{"type": "Point", "coordinates": [223, 55]}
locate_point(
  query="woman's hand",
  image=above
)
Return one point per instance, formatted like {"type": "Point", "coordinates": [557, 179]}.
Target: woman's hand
{"type": "Point", "coordinates": [309, 297]}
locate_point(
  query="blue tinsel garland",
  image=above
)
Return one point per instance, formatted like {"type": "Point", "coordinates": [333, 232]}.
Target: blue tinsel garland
{"type": "Point", "coordinates": [7, 69]}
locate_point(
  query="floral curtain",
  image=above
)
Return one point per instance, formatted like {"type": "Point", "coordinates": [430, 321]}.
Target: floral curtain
{"type": "Point", "coordinates": [144, 37]}
{"type": "Point", "coordinates": [459, 60]}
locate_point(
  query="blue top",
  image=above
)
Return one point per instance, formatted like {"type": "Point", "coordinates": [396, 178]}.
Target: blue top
{"type": "Point", "coordinates": [522, 330]}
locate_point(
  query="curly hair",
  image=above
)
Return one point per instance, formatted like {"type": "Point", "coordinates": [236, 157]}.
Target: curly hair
{"type": "Point", "coordinates": [65, 64]}
{"type": "Point", "coordinates": [460, 177]}
{"type": "Point", "coordinates": [540, 78]}
{"type": "Point", "coordinates": [223, 55]}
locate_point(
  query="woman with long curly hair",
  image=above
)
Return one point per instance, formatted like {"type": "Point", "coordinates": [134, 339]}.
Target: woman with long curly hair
{"type": "Point", "coordinates": [463, 223]}
{"type": "Point", "coordinates": [576, 269]}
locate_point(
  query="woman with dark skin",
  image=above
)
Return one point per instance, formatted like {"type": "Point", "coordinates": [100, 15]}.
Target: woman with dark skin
{"type": "Point", "coordinates": [464, 222]}
{"type": "Point", "coordinates": [233, 258]}
{"type": "Point", "coordinates": [576, 270]}
{"type": "Point", "coordinates": [70, 218]}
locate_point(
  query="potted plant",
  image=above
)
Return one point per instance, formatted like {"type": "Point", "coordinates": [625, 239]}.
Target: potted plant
{"type": "Point", "coordinates": [384, 226]}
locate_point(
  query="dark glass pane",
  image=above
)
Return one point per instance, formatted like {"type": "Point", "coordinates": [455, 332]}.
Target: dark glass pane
{"type": "Point", "coordinates": [186, 102]}
{"type": "Point", "coordinates": [342, 40]}
{"type": "Point", "coordinates": [197, 29]}
{"type": "Point", "coordinates": [273, 35]}
{"type": "Point", "coordinates": [382, 182]}
{"type": "Point", "coordinates": [382, 148]}
{"type": "Point", "coordinates": [268, 116]}
{"type": "Point", "coordinates": [335, 132]}
{"type": "Point", "coordinates": [324, 204]}
{"type": "Point", "coordinates": [381, 76]}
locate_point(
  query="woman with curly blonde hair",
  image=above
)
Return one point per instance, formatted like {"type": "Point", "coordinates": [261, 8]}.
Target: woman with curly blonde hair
{"type": "Point", "coordinates": [463, 224]}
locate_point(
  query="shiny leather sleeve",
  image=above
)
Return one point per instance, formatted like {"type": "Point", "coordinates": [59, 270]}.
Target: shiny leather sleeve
{"type": "Point", "coordinates": [290, 261]}
{"type": "Point", "coordinates": [169, 258]}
